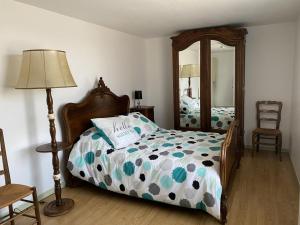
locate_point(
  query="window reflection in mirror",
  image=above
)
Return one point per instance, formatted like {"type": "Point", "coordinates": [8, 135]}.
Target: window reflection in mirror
{"type": "Point", "coordinates": [222, 85]}
{"type": "Point", "coordinates": [189, 86]}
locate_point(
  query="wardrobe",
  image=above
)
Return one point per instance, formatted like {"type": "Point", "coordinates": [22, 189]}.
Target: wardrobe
{"type": "Point", "coordinates": [209, 79]}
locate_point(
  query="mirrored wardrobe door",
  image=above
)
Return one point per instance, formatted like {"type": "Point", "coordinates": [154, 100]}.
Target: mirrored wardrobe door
{"type": "Point", "coordinates": [189, 86]}
{"type": "Point", "coordinates": [222, 85]}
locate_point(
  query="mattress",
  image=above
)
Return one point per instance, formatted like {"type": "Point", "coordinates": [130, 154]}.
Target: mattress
{"type": "Point", "coordinates": [174, 167]}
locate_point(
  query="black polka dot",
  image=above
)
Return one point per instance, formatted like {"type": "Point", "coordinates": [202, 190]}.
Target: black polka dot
{"type": "Point", "coordinates": [204, 154]}
{"type": "Point", "coordinates": [153, 135]}
{"type": "Point", "coordinates": [172, 196]}
{"type": "Point", "coordinates": [99, 167]}
{"type": "Point", "coordinates": [179, 147]}
{"type": "Point", "coordinates": [191, 142]}
{"type": "Point", "coordinates": [137, 143]}
{"type": "Point", "coordinates": [153, 157]}
{"type": "Point", "coordinates": [155, 150]}
{"type": "Point", "coordinates": [122, 187]}
{"type": "Point", "coordinates": [149, 139]}
{"type": "Point", "coordinates": [196, 184]}
{"type": "Point", "coordinates": [172, 134]}
{"type": "Point", "coordinates": [191, 137]}
{"type": "Point", "coordinates": [208, 163]}
{"type": "Point", "coordinates": [142, 177]}
{"type": "Point", "coordinates": [109, 151]}
{"type": "Point", "coordinates": [82, 173]}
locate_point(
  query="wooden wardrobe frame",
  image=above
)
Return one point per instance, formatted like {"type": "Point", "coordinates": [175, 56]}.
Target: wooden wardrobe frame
{"type": "Point", "coordinates": [231, 36]}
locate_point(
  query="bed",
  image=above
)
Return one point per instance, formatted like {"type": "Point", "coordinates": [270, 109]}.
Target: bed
{"type": "Point", "coordinates": [190, 169]}
{"type": "Point", "coordinates": [221, 117]}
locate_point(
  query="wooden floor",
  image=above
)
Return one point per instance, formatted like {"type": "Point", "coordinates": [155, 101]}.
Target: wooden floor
{"type": "Point", "coordinates": [264, 192]}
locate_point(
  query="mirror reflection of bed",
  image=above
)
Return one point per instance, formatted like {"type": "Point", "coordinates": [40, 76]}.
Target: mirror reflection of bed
{"type": "Point", "coordinates": [222, 86]}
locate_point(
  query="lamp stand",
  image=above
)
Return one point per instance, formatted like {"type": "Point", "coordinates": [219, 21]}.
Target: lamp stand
{"type": "Point", "coordinates": [60, 205]}
{"type": "Point", "coordinates": [189, 89]}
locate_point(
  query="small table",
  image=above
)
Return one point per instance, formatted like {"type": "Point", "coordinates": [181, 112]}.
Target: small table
{"type": "Point", "coordinates": [47, 148]}
{"type": "Point", "coordinates": [147, 111]}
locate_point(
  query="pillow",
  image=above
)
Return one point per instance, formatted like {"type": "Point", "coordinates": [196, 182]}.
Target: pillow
{"type": "Point", "coordinates": [117, 131]}
{"type": "Point", "coordinates": [188, 104]}
{"type": "Point", "coordinates": [141, 124]}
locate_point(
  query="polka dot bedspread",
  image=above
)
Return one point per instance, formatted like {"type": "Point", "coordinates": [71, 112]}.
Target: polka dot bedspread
{"type": "Point", "coordinates": [221, 117]}
{"type": "Point", "coordinates": [174, 167]}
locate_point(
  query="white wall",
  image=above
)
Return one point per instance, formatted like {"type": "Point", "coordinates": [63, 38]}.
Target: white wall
{"type": "Point", "coordinates": [269, 73]}
{"type": "Point", "coordinates": [222, 87]}
{"type": "Point", "coordinates": [91, 51]}
{"type": "Point", "coordinates": [159, 79]}
{"type": "Point", "coordinates": [295, 131]}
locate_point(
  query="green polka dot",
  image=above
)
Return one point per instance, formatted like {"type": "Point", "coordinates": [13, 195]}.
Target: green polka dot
{"type": "Point", "coordinates": [79, 162]}
{"type": "Point", "coordinates": [147, 166]}
{"type": "Point", "coordinates": [166, 182]}
{"type": "Point", "coordinates": [170, 138]}
{"type": "Point", "coordinates": [90, 157]}
{"type": "Point", "coordinates": [102, 185]}
{"type": "Point", "coordinates": [219, 193]}
{"type": "Point", "coordinates": [144, 119]}
{"type": "Point", "coordinates": [128, 168]}
{"type": "Point", "coordinates": [215, 148]}
{"type": "Point", "coordinates": [179, 174]}
{"type": "Point", "coordinates": [201, 172]}
{"type": "Point", "coordinates": [117, 174]}
{"type": "Point", "coordinates": [96, 136]}
{"type": "Point", "coordinates": [215, 118]}
{"type": "Point", "coordinates": [167, 145]}
{"type": "Point", "coordinates": [178, 154]}
{"type": "Point", "coordinates": [132, 150]}
{"type": "Point", "coordinates": [201, 205]}
{"type": "Point", "coordinates": [147, 196]}
{"type": "Point", "coordinates": [138, 130]}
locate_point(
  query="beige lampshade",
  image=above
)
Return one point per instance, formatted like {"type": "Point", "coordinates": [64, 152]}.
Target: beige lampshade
{"type": "Point", "coordinates": [43, 68]}
{"type": "Point", "coordinates": [189, 70]}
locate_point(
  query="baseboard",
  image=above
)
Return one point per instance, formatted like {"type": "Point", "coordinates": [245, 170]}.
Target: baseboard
{"type": "Point", "coordinates": [265, 148]}
{"type": "Point", "coordinates": [23, 205]}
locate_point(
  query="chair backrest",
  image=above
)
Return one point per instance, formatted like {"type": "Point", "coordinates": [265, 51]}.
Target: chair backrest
{"type": "Point", "coordinates": [268, 111]}
{"type": "Point", "coordinates": [5, 170]}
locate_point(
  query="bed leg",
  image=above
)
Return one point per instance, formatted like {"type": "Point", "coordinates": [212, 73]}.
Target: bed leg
{"type": "Point", "coordinates": [223, 209]}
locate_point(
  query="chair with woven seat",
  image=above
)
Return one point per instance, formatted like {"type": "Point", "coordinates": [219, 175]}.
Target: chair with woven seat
{"type": "Point", "coordinates": [12, 193]}
{"type": "Point", "coordinates": [268, 112]}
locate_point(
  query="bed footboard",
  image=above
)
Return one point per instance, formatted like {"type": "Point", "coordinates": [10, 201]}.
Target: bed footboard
{"type": "Point", "coordinates": [229, 162]}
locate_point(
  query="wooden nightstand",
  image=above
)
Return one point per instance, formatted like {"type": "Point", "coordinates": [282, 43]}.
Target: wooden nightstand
{"type": "Point", "coordinates": [147, 111]}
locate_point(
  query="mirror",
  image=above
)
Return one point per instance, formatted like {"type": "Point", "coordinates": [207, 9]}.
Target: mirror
{"type": "Point", "coordinates": [222, 85]}
{"type": "Point", "coordinates": [189, 86]}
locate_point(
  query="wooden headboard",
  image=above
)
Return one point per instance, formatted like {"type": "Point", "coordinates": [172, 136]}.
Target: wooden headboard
{"type": "Point", "coordinates": [99, 102]}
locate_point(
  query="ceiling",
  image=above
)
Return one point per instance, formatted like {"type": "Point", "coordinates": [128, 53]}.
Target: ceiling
{"type": "Point", "coordinates": [155, 18]}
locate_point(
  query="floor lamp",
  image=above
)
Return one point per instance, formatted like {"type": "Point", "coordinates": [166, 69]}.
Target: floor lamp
{"type": "Point", "coordinates": [46, 69]}
{"type": "Point", "coordinates": [189, 71]}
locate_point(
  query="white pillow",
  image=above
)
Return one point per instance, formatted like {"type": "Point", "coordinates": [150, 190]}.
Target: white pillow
{"type": "Point", "coordinates": [118, 130]}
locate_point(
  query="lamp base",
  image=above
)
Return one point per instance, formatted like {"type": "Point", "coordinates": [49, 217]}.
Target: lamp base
{"type": "Point", "coordinates": [52, 210]}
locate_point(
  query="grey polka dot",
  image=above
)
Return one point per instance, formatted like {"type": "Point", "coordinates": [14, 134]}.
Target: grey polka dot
{"type": "Point", "coordinates": [98, 153]}
{"type": "Point", "coordinates": [119, 158]}
{"type": "Point", "coordinates": [143, 135]}
{"type": "Point", "coordinates": [190, 193]}
{"type": "Point", "coordinates": [107, 180]}
{"type": "Point", "coordinates": [188, 152]}
{"type": "Point", "coordinates": [70, 165]}
{"type": "Point", "coordinates": [166, 164]}
{"type": "Point", "coordinates": [200, 140]}
{"type": "Point", "coordinates": [216, 158]}
{"type": "Point", "coordinates": [209, 199]}
{"type": "Point", "coordinates": [133, 193]}
{"type": "Point", "coordinates": [164, 153]}
{"type": "Point", "coordinates": [154, 189]}
{"type": "Point", "coordinates": [143, 147]}
{"type": "Point", "coordinates": [138, 162]}
{"type": "Point", "coordinates": [191, 167]}
{"type": "Point", "coordinates": [91, 180]}
{"type": "Point", "coordinates": [86, 133]}
{"type": "Point", "coordinates": [185, 203]}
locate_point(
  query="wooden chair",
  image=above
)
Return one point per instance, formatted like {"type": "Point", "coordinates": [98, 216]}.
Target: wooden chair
{"type": "Point", "coordinates": [12, 193]}
{"type": "Point", "coordinates": [268, 112]}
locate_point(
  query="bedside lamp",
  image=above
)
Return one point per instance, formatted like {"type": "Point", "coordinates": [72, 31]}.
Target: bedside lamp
{"type": "Point", "coordinates": [46, 69]}
{"type": "Point", "coordinates": [138, 96]}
